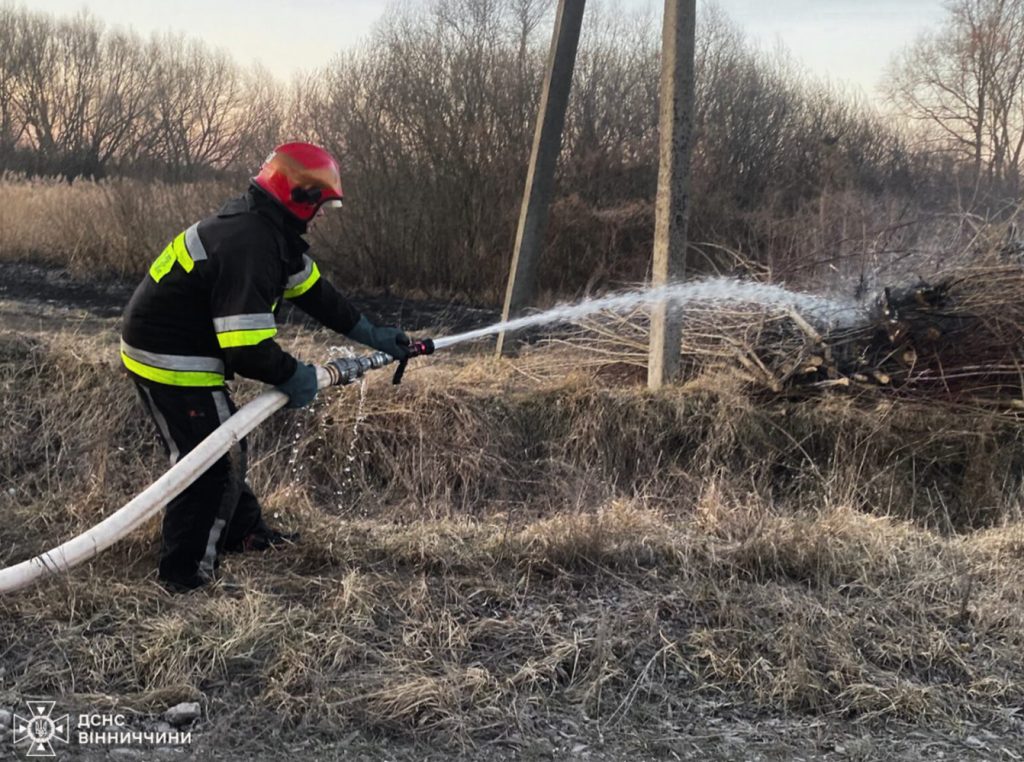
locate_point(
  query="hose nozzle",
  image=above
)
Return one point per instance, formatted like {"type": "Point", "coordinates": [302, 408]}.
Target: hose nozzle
{"type": "Point", "coordinates": [342, 371]}
{"type": "Point", "coordinates": [416, 348]}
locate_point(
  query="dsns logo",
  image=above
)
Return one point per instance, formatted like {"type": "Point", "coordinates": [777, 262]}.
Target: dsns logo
{"type": "Point", "coordinates": [40, 729]}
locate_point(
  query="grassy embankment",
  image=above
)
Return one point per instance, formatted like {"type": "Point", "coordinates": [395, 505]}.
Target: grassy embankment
{"type": "Point", "coordinates": [530, 540]}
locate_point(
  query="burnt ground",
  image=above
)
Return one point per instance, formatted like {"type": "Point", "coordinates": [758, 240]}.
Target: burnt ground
{"type": "Point", "coordinates": [51, 290]}
{"type": "Point", "coordinates": [40, 286]}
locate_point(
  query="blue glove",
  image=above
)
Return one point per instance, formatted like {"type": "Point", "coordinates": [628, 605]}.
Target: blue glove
{"type": "Point", "coordinates": [302, 387]}
{"type": "Point", "coordinates": [393, 341]}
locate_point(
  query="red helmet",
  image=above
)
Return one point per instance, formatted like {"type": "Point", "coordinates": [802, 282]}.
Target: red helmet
{"type": "Point", "coordinates": [302, 177]}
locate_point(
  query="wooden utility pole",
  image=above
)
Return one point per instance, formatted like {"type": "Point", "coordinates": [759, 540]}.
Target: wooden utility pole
{"type": "Point", "coordinates": [547, 144]}
{"type": "Point", "coordinates": [675, 125]}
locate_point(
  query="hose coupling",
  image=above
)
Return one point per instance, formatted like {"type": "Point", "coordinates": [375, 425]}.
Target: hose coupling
{"type": "Point", "coordinates": [345, 370]}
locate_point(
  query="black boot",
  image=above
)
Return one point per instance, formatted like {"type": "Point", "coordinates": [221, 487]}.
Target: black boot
{"type": "Point", "coordinates": [220, 583]}
{"type": "Point", "coordinates": [264, 537]}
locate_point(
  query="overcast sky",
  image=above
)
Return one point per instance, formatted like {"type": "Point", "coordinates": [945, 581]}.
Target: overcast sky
{"type": "Point", "coordinates": [845, 40]}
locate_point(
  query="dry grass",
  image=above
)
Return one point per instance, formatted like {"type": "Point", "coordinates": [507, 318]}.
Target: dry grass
{"type": "Point", "coordinates": [114, 228]}
{"type": "Point", "coordinates": [509, 548]}
{"type": "Point", "coordinates": [103, 229]}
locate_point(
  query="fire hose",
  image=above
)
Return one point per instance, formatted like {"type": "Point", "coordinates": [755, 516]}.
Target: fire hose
{"type": "Point", "coordinates": [337, 372]}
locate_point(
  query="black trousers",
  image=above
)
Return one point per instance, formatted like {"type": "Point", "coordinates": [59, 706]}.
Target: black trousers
{"type": "Point", "coordinates": [217, 511]}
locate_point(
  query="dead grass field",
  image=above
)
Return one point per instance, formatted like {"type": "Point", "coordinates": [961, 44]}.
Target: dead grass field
{"type": "Point", "coordinates": [98, 229]}
{"type": "Point", "coordinates": [531, 550]}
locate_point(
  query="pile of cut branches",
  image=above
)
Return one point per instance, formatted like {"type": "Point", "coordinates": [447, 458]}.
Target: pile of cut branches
{"type": "Point", "coordinates": [959, 338]}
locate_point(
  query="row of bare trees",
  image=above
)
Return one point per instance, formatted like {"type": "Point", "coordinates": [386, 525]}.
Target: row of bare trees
{"type": "Point", "coordinates": [432, 117]}
{"type": "Point", "coordinates": [79, 99]}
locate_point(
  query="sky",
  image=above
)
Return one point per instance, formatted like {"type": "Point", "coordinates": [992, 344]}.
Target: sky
{"type": "Point", "coordinates": [848, 41]}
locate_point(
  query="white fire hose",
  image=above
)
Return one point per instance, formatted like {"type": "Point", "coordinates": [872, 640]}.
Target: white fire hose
{"type": "Point", "coordinates": [88, 544]}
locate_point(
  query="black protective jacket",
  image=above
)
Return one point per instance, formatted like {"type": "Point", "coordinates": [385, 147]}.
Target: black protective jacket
{"type": "Point", "coordinates": [206, 309]}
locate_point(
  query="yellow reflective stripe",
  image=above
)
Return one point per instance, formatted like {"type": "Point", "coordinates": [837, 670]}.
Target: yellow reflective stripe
{"type": "Point", "coordinates": [175, 252]}
{"type": "Point", "coordinates": [172, 377]}
{"type": "Point", "coordinates": [243, 338]}
{"type": "Point", "coordinates": [303, 287]}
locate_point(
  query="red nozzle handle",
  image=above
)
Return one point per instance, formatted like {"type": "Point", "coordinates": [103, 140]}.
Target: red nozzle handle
{"type": "Point", "coordinates": [416, 348]}
{"type": "Point", "coordinates": [421, 347]}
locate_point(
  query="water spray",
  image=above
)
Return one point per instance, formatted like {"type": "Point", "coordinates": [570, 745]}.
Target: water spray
{"type": "Point", "coordinates": [822, 310]}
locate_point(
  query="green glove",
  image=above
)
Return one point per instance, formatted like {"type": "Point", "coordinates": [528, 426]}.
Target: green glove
{"type": "Point", "coordinates": [302, 387]}
{"type": "Point", "coordinates": [392, 341]}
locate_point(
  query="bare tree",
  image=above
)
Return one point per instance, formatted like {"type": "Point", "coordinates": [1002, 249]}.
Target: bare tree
{"type": "Point", "coordinates": [82, 94]}
{"type": "Point", "coordinates": [610, 144]}
{"type": "Point", "coordinates": [199, 108]}
{"type": "Point", "coordinates": [527, 16]}
{"type": "Point", "coordinates": [262, 115]}
{"type": "Point", "coordinates": [62, 68]}
{"type": "Point", "coordinates": [120, 111]}
{"type": "Point", "coordinates": [965, 83]}
{"type": "Point", "coordinates": [12, 122]}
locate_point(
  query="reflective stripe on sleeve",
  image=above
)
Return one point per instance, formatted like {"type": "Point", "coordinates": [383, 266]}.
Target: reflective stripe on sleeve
{"type": "Point", "coordinates": [244, 338]}
{"type": "Point", "coordinates": [244, 330]}
{"type": "Point", "coordinates": [302, 281]}
{"type": "Point", "coordinates": [252, 322]}
{"type": "Point", "coordinates": [173, 370]}
{"type": "Point", "coordinates": [194, 244]}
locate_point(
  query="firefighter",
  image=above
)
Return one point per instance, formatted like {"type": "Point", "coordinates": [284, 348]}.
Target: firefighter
{"type": "Point", "coordinates": [204, 313]}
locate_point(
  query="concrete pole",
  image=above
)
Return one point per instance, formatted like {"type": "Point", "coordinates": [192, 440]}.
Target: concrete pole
{"type": "Point", "coordinates": [675, 126]}
{"type": "Point", "coordinates": [547, 144]}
